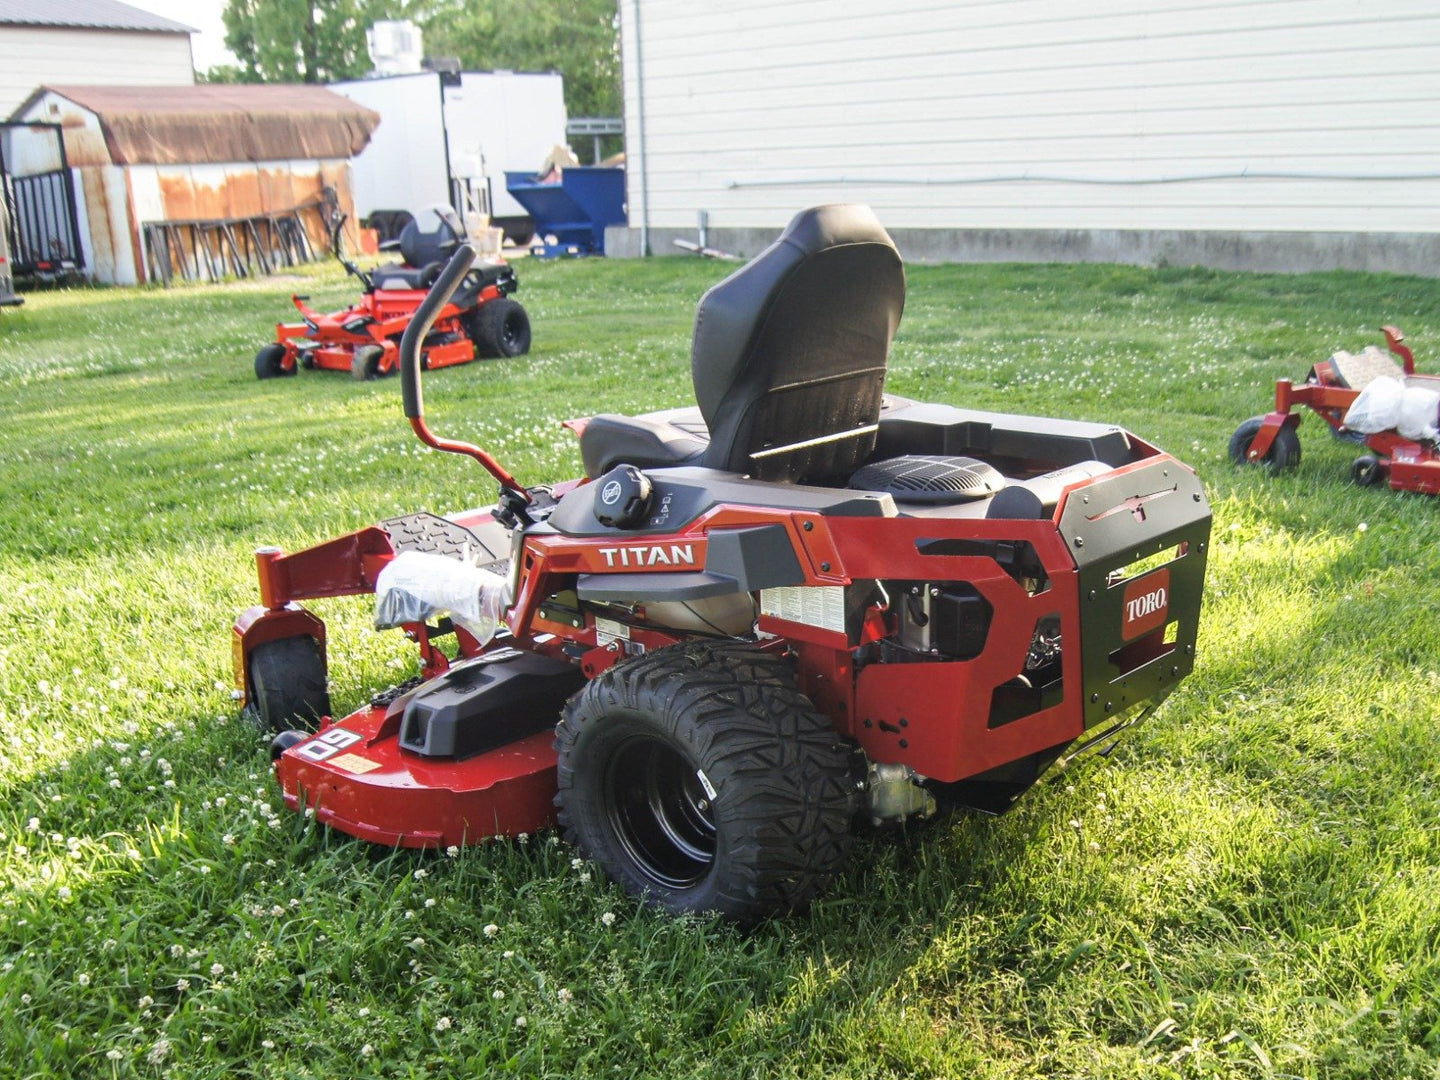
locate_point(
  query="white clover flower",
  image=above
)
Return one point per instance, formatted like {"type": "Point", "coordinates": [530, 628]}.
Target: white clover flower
{"type": "Point", "coordinates": [268, 1044]}
{"type": "Point", "coordinates": [177, 949]}
{"type": "Point", "coordinates": [159, 1051]}
{"type": "Point", "coordinates": [585, 878]}
{"type": "Point", "coordinates": [182, 985]}
{"type": "Point", "coordinates": [417, 943]}
{"type": "Point", "coordinates": [421, 874]}
{"type": "Point", "coordinates": [576, 864]}
{"type": "Point", "coordinates": [25, 999]}
{"type": "Point", "coordinates": [63, 892]}
{"type": "Point", "coordinates": [490, 930]}
{"type": "Point", "coordinates": [217, 970]}
{"type": "Point", "coordinates": [364, 1011]}
{"type": "Point", "coordinates": [430, 901]}
{"type": "Point", "coordinates": [520, 1021]}
{"type": "Point", "coordinates": [508, 954]}
{"type": "Point", "coordinates": [452, 851]}
{"type": "Point", "coordinates": [33, 825]}
{"type": "Point", "coordinates": [114, 1055]}
{"type": "Point", "coordinates": [608, 918]}
{"type": "Point", "coordinates": [443, 1024]}
{"type": "Point", "coordinates": [228, 838]}
{"type": "Point", "coordinates": [366, 1050]}
{"type": "Point", "coordinates": [145, 1002]}
{"type": "Point", "coordinates": [83, 978]}
{"type": "Point", "coordinates": [564, 996]}
{"type": "Point", "coordinates": [498, 995]}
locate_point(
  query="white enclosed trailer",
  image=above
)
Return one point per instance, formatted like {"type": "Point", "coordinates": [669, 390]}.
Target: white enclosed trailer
{"type": "Point", "coordinates": [449, 137]}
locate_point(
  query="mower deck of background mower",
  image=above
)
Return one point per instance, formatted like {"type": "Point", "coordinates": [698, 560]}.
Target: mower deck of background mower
{"type": "Point", "coordinates": [1328, 391]}
{"type": "Point", "coordinates": [480, 320]}
{"type": "Point", "coordinates": [800, 605]}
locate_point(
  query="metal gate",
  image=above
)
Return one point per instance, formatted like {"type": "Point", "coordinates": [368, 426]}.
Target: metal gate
{"type": "Point", "coordinates": [44, 228]}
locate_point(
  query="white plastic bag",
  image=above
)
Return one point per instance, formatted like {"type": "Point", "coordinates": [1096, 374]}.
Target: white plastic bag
{"type": "Point", "coordinates": [1419, 413]}
{"type": "Point", "coordinates": [417, 586]}
{"type": "Point", "coordinates": [1377, 408]}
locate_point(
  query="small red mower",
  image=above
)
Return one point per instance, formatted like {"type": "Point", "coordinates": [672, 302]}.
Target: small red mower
{"type": "Point", "coordinates": [1329, 391]}
{"type": "Point", "coordinates": [753, 624]}
{"type": "Point", "coordinates": [480, 320]}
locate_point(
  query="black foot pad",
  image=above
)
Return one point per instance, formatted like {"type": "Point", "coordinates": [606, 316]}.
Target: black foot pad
{"type": "Point", "coordinates": [438, 536]}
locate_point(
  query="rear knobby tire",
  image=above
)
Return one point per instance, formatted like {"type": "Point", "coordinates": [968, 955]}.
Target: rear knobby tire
{"type": "Point", "coordinates": [1284, 452]}
{"type": "Point", "coordinates": [270, 362]}
{"type": "Point", "coordinates": [499, 328]}
{"type": "Point", "coordinates": [365, 362]}
{"type": "Point", "coordinates": [287, 685]}
{"type": "Point", "coordinates": [700, 779]}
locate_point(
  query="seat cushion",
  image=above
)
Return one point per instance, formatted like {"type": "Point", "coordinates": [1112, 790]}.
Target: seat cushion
{"type": "Point", "coordinates": [659, 439]}
{"type": "Point", "coordinates": [395, 276]}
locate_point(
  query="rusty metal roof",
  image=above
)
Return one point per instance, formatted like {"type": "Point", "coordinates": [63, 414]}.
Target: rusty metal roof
{"type": "Point", "coordinates": [90, 14]}
{"type": "Point", "coordinates": [180, 125]}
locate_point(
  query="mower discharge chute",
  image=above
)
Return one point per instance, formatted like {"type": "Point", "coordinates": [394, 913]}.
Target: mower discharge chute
{"type": "Point", "coordinates": [1407, 461]}
{"type": "Point", "coordinates": [480, 319]}
{"type": "Point", "coordinates": [800, 605]}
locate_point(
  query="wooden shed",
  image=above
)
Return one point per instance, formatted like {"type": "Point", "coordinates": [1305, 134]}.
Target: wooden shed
{"type": "Point", "coordinates": [195, 181]}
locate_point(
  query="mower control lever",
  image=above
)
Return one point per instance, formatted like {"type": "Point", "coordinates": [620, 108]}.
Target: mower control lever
{"type": "Point", "coordinates": [414, 401]}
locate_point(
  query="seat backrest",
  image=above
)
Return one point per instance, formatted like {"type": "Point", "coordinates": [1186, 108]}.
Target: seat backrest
{"type": "Point", "coordinates": [431, 236]}
{"type": "Point", "coordinates": [789, 352]}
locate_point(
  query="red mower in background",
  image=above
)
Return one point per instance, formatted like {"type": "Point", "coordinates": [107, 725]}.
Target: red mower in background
{"type": "Point", "coordinates": [753, 624]}
{"type": "Point", "coordinates": [1329, 391]}
{"type": "Point", "coordinates": [480, 319]}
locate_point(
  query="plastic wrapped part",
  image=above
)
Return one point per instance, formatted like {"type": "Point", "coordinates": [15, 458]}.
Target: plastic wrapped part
{"type": "Point", "coordinates": [417, 586]}
{"type": "Point", "coordinates": [1419, 414]}
{"type": "Point", "coordinates": [1377, 408]}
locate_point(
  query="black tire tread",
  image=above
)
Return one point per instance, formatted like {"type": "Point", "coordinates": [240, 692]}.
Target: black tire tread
{"type": "Point", "coordinates": [742, 717]}
{"type": "Point", "coordinates": [1284, 452]}
{"type": "Point", "coordinates": [288, 685]}
{"type": "Point", "coordinates": [486, 328]}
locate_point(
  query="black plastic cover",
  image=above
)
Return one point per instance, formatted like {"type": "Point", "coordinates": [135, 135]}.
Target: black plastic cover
{"type": "Point", "coordinates": [487, 703]}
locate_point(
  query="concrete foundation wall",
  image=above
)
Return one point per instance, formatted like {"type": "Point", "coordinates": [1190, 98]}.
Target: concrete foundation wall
{"type": "Point", "coordinates": [1276, 252]}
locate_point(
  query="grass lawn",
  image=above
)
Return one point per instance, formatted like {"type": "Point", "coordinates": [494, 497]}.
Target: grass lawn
{"type": "Point", "coordinates": [1249, 887]}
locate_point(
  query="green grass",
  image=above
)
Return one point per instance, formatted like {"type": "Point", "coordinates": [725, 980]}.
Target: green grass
{"type": "Point", "coordinates": [1249, 887]}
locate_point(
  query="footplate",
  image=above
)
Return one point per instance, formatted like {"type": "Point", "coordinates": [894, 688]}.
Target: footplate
{"type": "Point", "coordinates": [435, 535]}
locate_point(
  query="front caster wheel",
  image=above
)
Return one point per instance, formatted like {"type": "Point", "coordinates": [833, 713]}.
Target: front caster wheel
{"type": "Point", "coordinates": [288, 687]}
{"type": "Point", "coordinates": [1367, 471]}
{"type": "Point", "coordinates": [701, 779]}
{"type": "Point", "coordinates": [1284, 452]}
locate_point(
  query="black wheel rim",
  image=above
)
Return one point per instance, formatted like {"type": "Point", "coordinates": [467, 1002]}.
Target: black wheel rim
{"type": "Point", "coordinates": [659, 812]}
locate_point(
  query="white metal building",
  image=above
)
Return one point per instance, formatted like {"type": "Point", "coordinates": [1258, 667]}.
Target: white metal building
{"type": "Point", "coordinates": [87, 41]}
{"type": "Point", "coordinates": [1266, 134]}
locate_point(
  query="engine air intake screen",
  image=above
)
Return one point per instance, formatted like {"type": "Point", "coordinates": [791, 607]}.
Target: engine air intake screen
{"type": "Point", "coordinates": [925, 478]}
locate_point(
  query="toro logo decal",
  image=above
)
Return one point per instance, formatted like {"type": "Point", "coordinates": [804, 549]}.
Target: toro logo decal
{"type": "Point", "coordinates": [1147, 603]}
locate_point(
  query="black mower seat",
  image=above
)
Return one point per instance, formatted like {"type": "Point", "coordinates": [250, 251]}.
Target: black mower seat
{"type": "Point", "coordinates": [396, 276]}
{"type": "Point", "coordinates": [660, 440]}
{"type": "Point", "coordinates": [788, 361]}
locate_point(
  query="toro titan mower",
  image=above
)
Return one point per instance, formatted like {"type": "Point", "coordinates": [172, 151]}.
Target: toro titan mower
{"type": "Point", "coordinates": [1365, 397]}
{"type": "Point", "coordinates": [480, 319]}
{"type": "Point", "coordinates": [801, 606]}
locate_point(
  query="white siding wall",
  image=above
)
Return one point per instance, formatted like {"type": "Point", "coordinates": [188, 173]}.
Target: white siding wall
{"type": "Point", "coordinates": [1288, 115]}
{"type": "Point", "coordinates": [32, 56]}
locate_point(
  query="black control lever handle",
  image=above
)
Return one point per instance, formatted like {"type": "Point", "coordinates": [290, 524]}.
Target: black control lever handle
{"type": "Point", "coordinates": [419, 328]}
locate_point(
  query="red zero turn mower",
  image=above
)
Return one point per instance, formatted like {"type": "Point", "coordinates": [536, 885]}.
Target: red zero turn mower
{"type": "Point", "coordinates": [479, 320]}
{"type": "Point", "coordinates": [799, 606]}
{"type": "Point", "coordinates": [1331, 388]}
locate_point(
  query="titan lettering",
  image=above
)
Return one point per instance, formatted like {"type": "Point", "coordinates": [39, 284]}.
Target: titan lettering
{"type": "Point", "coordinates": [650, 555]}
{"type": "Point", "coordinates": [1148, 604]}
